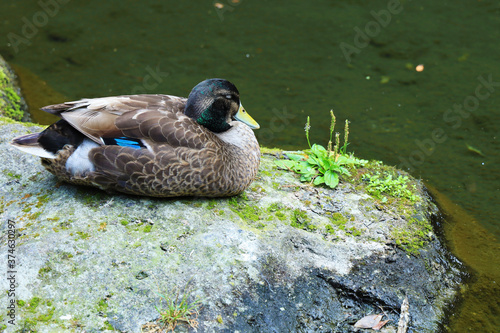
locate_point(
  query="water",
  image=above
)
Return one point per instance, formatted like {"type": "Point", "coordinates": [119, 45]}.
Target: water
{"type": "Point", "coordinates": [286, 58]}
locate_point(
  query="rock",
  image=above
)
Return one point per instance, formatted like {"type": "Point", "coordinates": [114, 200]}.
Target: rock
{"type": "Point", "coordinates": [282, 257]}
{"type": "Point", "coordinates": [12, 104]}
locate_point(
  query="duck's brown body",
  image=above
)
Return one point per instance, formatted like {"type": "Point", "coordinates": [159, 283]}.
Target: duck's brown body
{"type": "Point", "coordinates": [162, 152]}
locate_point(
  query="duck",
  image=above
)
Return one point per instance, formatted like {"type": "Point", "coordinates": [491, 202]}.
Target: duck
{"type": "Point", "coordinates": [152, 144]}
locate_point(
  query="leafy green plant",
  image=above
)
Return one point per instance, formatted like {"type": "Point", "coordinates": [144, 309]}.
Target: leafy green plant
{"type": "Point", "coordinates": [178, 309]}
{"type": "Point", "coordinates": [321, 165]}
{"type": "Point", "coordinates": [395, 187]}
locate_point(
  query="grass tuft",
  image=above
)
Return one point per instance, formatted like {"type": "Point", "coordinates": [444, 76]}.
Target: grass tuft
{"type": "Point", "coordinates": [177, 308]}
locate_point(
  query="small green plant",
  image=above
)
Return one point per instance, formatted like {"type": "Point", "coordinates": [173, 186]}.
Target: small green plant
{"type": "Point", "coordinates": [319, 165]}
{"type": "Point", "coordinates": [178, 309]}
{"type": "Point", "coordinates": [389, 185]}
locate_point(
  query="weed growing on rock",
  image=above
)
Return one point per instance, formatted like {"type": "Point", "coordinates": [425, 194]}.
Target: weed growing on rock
{"type": "Point", "coordinates": [177, 309]}
{"type": "Point", "coordinates": [319, 165]}
{"type": "Point", "coordinates": [387, 184]}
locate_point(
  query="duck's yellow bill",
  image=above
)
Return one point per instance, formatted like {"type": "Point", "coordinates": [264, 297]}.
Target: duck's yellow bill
{"type": "Point", "coordinates": [245, 118]}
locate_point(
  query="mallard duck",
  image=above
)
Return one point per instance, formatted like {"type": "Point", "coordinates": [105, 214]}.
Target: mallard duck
{"type": "Point", "coordinates": [153, 145]}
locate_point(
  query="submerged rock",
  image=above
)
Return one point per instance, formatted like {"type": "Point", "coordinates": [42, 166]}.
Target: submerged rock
{"type": "Point", "coordinates": [282, 257]}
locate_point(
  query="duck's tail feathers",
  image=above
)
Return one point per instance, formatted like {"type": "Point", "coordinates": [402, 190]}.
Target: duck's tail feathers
{"type": "Point", "coordinates": [29, 144]}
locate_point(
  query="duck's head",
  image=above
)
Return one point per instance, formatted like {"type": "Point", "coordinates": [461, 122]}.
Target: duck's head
{"type": "Point", "coordinates": [214, 103]}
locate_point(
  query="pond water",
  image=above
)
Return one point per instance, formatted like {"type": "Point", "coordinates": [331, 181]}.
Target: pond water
{"type": "Point", "coordinates": [419, 82]}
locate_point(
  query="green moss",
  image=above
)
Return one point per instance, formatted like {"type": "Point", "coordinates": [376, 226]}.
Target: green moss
{"type": "Point", "coordinates": [44, 271]}
{"type": "Point", "coordinates": [47, 316]}
{"type": "Point", "coordinates": [66, 255]}
{"type": "Point", "coordinates": [354, 231]}
{"type": "Point", "coordinates": [33, 304]}
{"type": "Point", "coordinates": [93, 197]}
{"type": "Point", "coordinates": [108, 326]}
{"type": "Point", "coordinates": [65, 225]}
{"type": "Point", "coordinates": [102, 305]}
{"type": "Point", "coordinates": [274, 207]}
{"type": "Point", "coordinates": [13, 108]}
{"type": "Point", "coordinates": [277, 210]}
{"type": "Point", "coordinates": [257, 188]}
{"type": "Point", "coordinates": [414, 236]}
{"type": "Point", "coordinates": [301, 220]}
{"type": "Point", "coordinates": [34, 311]}
{"type": "Point", "coordinates": [124, 222]}
{"type": "Point", "coordinates": [28, 325]}
{"type": "Point", "coordinates": [11, 174]}
{"type": "Point", "coordinates": [273, 151]}
{"type": "Point", "coordinates": [338, 219]}
{"type": "Point", "coordinates": [34, 216]}
{"type": "Point", "coordinates": [337, 222]}
{"type": "Point", "coordinates": [245, 211]}
{"type": "Point", "coordinates": [281, 216]}
{"type": "Point", "coordinates": [83, 235]}
{"type": "Point", "coordinates": [41, 200]}
{"type": "Point", "coordinates": [260, 225]}
{"type": "Point", "coordinates": [148, 228]}
{"type": "Point", "coordinates": [266, 173]}
{"type": "Point", "coordinates": [211, 204]}
{"type": "Point", "coordinates": [330, 229]}
{"type": "Point", "coordinates": [243, 196]}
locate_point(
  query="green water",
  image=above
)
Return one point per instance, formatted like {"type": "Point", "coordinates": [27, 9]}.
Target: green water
{"type": "Point", "coordinates": [288, 59]}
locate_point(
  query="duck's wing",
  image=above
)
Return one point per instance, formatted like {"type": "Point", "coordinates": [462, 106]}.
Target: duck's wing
{"type": "Point", "coordinates": [97, 117]}
{"type": "Point", "coordinates": [157, 127]}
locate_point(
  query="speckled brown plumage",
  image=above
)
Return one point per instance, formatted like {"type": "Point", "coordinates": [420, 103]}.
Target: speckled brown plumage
{"type": "Point", "coordinates": [177, 157]}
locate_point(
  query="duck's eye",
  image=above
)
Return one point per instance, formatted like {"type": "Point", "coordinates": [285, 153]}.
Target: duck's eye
{"type": "Point", "coordinates": [229, 96]}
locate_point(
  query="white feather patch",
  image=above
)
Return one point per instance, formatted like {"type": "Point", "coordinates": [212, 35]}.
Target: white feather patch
{"type": "Point", "coordinates": [239, 135]}
{"type": "Point", "coordinates": [78, 164]}
{"type": "Point", "coordinates": [37, 151]}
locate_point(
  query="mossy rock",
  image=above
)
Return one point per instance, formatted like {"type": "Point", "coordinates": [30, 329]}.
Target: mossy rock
{"type": "Point", "coordinates": [283, 256]}
{"type": "Point", "coordinates": [12, 104]}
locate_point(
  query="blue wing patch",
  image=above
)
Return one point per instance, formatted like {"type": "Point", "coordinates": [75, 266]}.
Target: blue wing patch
{"type": "Point", "coordinates": [124, 142]}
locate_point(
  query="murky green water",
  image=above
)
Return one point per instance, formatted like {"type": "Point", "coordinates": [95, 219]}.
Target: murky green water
{"type": "Point", "coordinates": [291, 59]}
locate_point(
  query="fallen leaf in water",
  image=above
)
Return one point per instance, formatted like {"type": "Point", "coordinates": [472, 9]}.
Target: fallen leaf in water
{"type": "Point", "coordinates": [474, 150]}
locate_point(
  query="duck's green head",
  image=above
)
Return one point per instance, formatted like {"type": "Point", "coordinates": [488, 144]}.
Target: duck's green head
{"type": "Point", "coordinates": [214, 103]}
